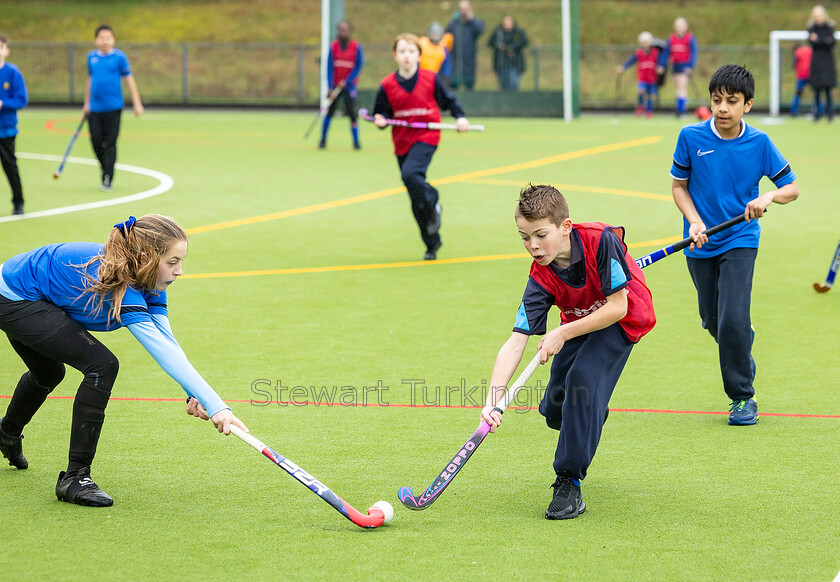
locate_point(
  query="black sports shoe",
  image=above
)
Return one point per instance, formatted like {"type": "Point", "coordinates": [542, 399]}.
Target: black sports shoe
{"type": "Point", "coordinates": [566, 501]}
{"type": "Point", "coordinates": [81, 490]}
{"type": "Point", "coordinates": [322, 145]}
{"type": "Point", "coordinates": [357, 145]}
{"type": "Point", "coordinates": [433, 225]}
{"type": "Point", "coordinates": [431, 252]}
{"type": "Point", "coordinates": [18, 208]}
{"type": "Point", "coordinates": [12, 449]}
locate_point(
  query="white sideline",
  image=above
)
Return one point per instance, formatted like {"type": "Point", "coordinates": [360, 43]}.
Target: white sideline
{"type": "Point", "coordinates": [166, 183]}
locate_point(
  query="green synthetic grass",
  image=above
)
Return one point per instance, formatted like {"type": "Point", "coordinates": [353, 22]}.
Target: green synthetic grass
{"type": "Point", "coordinates": [669, 496]}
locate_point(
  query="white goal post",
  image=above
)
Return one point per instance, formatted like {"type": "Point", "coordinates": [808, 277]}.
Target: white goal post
{"type": "Point", "coordinates": [776, 37]}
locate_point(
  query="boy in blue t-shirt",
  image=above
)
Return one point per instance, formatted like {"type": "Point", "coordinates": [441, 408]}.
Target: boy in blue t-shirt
{"type": "Point", "coordinates": [716, 170]}
{"type": "Point", "coordinates": [104, 100]}
{"type": "Point", "coordinates": [12, 97]}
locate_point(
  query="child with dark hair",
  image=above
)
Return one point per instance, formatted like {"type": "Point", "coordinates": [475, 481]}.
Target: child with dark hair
{"type": "Point", "coordinates": [716, 169]}
{"type": "Point", "coordinates": [605, 308]}
{"type": "Point", "coordinates": [52, 297]}
{"type": "Point", "coordinates": [343, 67]}
{"type": "Point", "coordinates": [415, 94]}
{"type": "Point", "coordinates": [13, 97]}
{"type": "Point", "coordinates": [103, 106]}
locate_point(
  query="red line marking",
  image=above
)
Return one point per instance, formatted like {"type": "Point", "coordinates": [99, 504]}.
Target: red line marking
{"type": "Point", "coordinates": [377, 405]}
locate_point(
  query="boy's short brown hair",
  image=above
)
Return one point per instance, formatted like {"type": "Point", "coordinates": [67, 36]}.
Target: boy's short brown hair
{"type": "Point", "coordinates": [542, 201]}
{"type": "Point", "coordinates": [407, 37]}
{"type": "Point", "coordinates": [4, 39]}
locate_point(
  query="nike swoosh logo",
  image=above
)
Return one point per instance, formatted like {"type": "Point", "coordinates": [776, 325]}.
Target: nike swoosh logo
{"type": "Point", "coordinates": [702, 153]}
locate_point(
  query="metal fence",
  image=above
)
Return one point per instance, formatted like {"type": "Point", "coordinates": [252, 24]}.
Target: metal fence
{"type": "Point", "coordinates": [288, 74]}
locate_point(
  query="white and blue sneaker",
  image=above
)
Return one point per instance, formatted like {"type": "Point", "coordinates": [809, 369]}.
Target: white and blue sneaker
{"type": "Point", "coordinates": [743, 412]}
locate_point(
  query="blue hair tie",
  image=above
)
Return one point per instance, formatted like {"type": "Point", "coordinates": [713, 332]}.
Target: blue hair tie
{"type": "Point", "coordinates": [125, 227]}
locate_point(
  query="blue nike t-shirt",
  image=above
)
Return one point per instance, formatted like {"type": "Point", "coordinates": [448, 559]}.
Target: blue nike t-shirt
{"type": "Point", "coordinates": [106, 71]}
{"type": "Point", "coordinates": [723, 176]}
{"type": "Point", "coordinates": [54, 273]}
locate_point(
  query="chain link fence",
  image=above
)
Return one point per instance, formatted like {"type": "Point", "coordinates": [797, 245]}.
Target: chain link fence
{"type": "Point", "coordinates": [288, 74]}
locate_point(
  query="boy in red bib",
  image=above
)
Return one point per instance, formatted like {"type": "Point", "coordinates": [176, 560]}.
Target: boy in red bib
{"type": "Point", "coordinates": [585, 270]}
{"type": "Point", "coordinates": [414, 94]}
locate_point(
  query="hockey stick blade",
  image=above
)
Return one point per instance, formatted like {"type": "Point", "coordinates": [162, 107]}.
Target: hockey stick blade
{"type": "Point", "coordinates": [442, 481]}
{"type": "Point", "coordinates": [832, 274]}
{"type": "Point", "coordinates": [374, 518]}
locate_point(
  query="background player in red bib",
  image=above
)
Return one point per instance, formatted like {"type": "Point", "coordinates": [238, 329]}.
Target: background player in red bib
{"type": "Point", "coordinates": [585, 270]}
{"type": "Point", "coordinates": [682, 50]}
{"type": "Point", "coordinates": [646, 57]}
{"type": "Point", "coordinates": [343, 68]}
{"type": "Point", "coordinates": [414, 94]}
{"type": "Point", "coordinates": [802, 66]}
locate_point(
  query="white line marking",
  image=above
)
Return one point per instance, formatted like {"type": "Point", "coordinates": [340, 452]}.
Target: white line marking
{"type": "Point", "coordinates": [837, 578]}
{"type": "Point", "coordinates": [166, 183]}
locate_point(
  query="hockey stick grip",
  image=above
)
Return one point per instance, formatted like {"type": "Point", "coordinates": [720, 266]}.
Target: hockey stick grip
{"type": "Point", "coordinates": [709, 232]}
{"type": "Point", "coordinates": [248, 438]}
{"type": "Point", "coordinates": [517, 385]}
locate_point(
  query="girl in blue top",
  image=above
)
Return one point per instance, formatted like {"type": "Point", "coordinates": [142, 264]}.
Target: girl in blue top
{"type": "Point", "coordinates": [53, 296]}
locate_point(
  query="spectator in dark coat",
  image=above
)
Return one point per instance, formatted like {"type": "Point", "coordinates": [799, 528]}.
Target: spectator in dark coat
{"type": "Point", "coordinates": [823, 71]}
{"type": "Point", "coordinates": [465, 30]}
{"type": "Point", "coordinates": [508, 42]}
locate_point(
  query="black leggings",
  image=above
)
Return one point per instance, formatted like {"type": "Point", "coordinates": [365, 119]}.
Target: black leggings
{"type": "Point", "coordinates": [829, 106]}
{"type": "Point", "coordinates": [46, 339]}
{"type": "Point", "coordinates": [9, 161]}
{"type": "Point", "coordinates": [104, 130]}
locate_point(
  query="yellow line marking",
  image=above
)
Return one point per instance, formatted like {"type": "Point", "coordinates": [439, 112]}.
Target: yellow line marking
{"type": "Point", "coordinates": [303, 270]}
{"type": "Point", "coordinates": [338, 268]}
{"type": "Point", "coordinates": [451, 179]}
{"type": "Point", "coordinates": [575, 188]}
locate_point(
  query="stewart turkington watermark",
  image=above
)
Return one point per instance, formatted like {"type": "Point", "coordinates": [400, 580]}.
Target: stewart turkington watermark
{"type": "Point", "coordinates": [420, 394]}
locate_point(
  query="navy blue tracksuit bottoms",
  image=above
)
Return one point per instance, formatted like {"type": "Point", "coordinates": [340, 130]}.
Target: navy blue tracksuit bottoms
{"type": "Point", "coordinates": [424, 196]}
{"type": "Point", "coordinates": [724, 286]}
{"type": "Point", "coordinates": [583, 376]}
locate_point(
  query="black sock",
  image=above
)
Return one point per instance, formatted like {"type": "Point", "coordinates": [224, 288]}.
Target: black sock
{"type": "Point", "coordinates": [27, 399]}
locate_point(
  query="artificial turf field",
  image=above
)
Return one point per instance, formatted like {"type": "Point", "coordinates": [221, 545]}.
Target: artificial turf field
{"type": "Point", "coordinates": [320, 285]}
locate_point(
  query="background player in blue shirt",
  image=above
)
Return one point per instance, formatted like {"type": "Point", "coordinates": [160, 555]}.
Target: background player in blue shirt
{"type": "Point", "coordinates": [716, 170]}
{"type": "Point", "coordinates": [53, 296]}
{"type": "Point", "coordinates": [605, 307]}
{"type": "Point", "coordinates": [107, 66]}
{"type": "Point", "coordinates": [12, 97]}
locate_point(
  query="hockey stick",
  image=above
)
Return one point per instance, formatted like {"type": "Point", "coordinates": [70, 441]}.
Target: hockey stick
{"type": "Point", "coordinates": [76, 133]}
{"type": "Point", "coordinates": [463, 455]}
{"type": "Point", "coordinates": [678, 246]}
{"type": "Point", "coordinates": [618, 89]}
{"type": "Point", "coordinates": [376, 514]}
{"type": "Point", "coordinates": [323, 110]}
{"type": "Point", "coordinates": [407, 497]}
{"type": "Point", "coordinates": [365, 114]}
{"type": "Point", "coordinates": [832, 273]}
